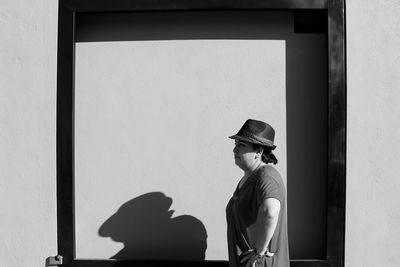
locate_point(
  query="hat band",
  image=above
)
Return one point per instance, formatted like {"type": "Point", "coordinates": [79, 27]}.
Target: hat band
{"type": "Point", "coordinates": [258, 139]}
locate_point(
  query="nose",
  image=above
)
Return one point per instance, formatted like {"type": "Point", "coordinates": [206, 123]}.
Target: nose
{"type": "Point", "coordinates": [235, 150]}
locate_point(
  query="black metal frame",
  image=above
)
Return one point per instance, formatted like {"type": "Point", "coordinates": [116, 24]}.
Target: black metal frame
{"type": "Point", "coordinates": [336, 117]}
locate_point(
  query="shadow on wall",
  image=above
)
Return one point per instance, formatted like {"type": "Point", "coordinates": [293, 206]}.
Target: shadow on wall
{"type": "Point", "coordinates": [146, 228]}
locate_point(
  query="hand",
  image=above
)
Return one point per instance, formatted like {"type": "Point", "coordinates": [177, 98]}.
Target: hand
{"type": "Point", "coordinates": [250, 257]}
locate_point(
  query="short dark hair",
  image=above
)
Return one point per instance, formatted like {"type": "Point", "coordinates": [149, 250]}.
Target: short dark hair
{"type": "Point", "coordinates": [267, 155]}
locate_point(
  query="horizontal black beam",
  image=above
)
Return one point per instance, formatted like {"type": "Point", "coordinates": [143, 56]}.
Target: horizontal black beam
{"type": "Point", "coordinates": [135, 263]}
{"type": "Point", "coordinates": [149, 263]}
{"type": "Point", "coordinates": [154, 5]}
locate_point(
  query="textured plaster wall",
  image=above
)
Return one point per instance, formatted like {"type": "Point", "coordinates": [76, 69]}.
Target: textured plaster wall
{"type": "Point", "coordinates": [27, 132]}
{"type": "Point", "coordinates": [28, 36]}
{"type": "Point", "coordinates": [373, 184]}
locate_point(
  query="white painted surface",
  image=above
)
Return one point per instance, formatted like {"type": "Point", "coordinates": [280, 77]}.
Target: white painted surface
{"type": "Point", "coordinates": [373, 184]}
{"type": "Point", "coordinates": [28, 34]}
{"type": "Point", "coordinates": [27, 135]}
{"type": "Point", "coordinates": [156, 116]}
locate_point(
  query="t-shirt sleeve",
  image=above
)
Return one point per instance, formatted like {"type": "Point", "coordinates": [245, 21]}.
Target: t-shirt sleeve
{"type": "Point", "coordinates": [269, 188]}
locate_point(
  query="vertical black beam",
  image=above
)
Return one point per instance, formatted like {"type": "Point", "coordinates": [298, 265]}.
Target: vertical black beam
{"type": "Point", "coordinates": [65, 136]}
{"type": "Point", "coordinates": [337, 133]}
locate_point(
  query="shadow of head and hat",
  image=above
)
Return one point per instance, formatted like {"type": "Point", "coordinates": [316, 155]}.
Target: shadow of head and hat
{"type": "Point", "coordinates": [148, 230]}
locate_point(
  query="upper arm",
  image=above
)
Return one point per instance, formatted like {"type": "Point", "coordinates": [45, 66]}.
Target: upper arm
{"type": "Point", "coordinates": [270, 207]}
{"type": "Point", "coordinates": [270, 194]}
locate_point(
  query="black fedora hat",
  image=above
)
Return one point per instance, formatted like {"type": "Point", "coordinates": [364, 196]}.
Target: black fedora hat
{"type": "Point", "coordinates": [256, 132]}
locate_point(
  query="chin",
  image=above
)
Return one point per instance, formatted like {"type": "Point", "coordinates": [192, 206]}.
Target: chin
{"type": "Point", "coordinates": [239, 165]}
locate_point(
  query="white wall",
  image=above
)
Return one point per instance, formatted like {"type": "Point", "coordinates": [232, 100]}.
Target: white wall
{"type": "Point", "coordinates": [156, 116]}
{"type": "Point", "coordinates": [373, 144]}
{"type": "Point", "coordinates": [28, 31]}
{"type": "Point", "coordinates": [27, 132]}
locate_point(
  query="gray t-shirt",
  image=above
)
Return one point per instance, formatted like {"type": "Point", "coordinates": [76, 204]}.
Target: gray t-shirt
{"type": "Point", "coordinates": [241, 212]}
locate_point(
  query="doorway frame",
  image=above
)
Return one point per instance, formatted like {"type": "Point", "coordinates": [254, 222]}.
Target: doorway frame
{"type": "Point", "coordinates": [336, 128]}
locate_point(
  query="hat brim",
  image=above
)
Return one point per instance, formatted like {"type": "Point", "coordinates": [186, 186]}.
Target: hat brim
{"type": "Point", "coordinates": [251, 140]}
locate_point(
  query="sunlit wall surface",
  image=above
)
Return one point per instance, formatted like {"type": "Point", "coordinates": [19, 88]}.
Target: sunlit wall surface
{"type": "Point", "coordinates": [154, 168]}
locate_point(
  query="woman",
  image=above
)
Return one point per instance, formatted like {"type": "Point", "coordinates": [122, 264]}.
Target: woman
{"type": "Point", "coordinates": [256, 213]}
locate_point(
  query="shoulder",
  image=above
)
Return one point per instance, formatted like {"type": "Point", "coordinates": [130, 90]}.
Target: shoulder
{"type": "Point", "coordinates": [270, 183]}
{"type": "Point", "coordinates": [269, 174]}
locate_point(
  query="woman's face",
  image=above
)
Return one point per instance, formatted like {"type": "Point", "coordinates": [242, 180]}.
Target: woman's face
{"type": "Point", "coordinates": [244, 154]}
